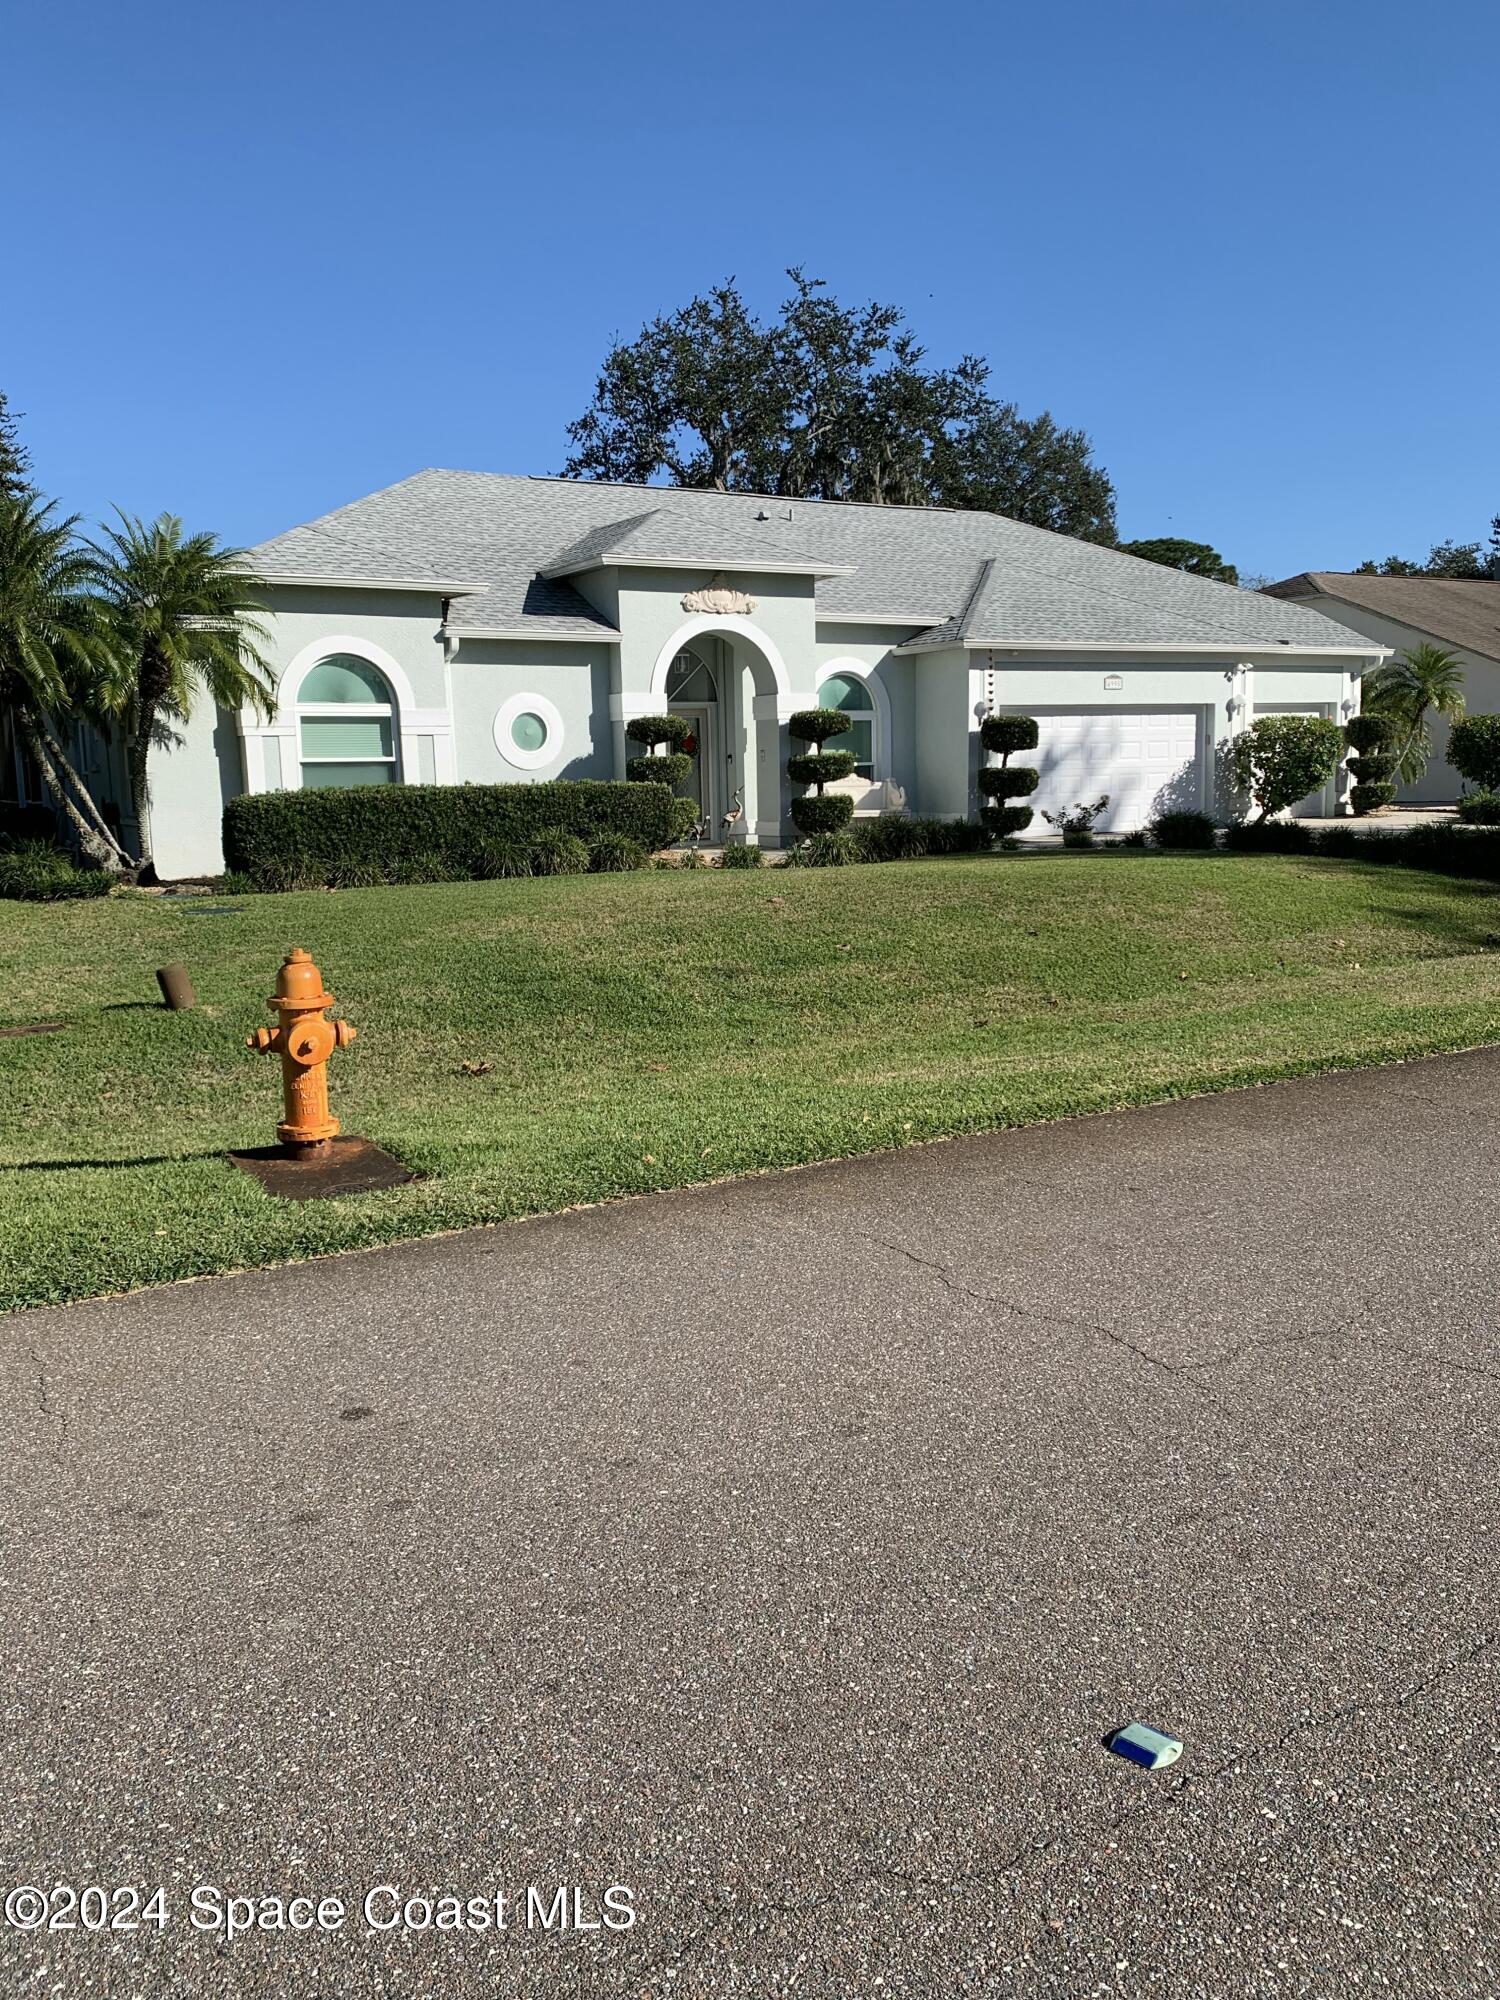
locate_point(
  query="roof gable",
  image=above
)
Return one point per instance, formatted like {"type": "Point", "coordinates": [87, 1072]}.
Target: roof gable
{"type": "Point", "coordinates": [1453, 611]}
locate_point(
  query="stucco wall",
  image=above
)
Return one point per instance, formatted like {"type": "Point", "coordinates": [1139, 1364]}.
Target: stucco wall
{"type": "Point", "coordinates": [1442, 784]}
{"type": "Point", "coordinates": [575, 680]}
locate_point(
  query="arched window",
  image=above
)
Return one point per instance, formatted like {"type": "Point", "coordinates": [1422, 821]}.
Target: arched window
{"type": "Point", "coordinates": [690, 680]}
{"type": "Point", "coordinates": [346, 725]}
{"type": "Point", "coordinates": [846, 692]}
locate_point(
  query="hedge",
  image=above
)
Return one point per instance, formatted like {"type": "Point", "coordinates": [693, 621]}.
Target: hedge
{"type": "Point", "coordinates": [1474, 750]}
{"type": "Point", "coordinates": [1445, 849]}
{"type": "Point", "coordinates": [390, 829]}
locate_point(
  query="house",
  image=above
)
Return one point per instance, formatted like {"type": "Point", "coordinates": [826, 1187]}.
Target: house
{"type": "Point", "coordinates": [1462, 615]}
{"type": "Point", "coordinates": [466, 627]}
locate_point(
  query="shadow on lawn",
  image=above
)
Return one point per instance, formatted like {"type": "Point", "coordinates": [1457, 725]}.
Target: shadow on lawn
{"type": "Point", "coordinates": [1473, 928]}
{"type": "Point", "coordinates": [146, 1160]}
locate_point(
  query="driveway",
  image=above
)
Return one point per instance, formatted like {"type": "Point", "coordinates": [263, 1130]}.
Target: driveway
{"type": "Point", "coordinates": [778, 1553]}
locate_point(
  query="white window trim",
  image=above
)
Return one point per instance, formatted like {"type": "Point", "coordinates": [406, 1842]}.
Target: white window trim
{"type": "Point", "coordinates": [529, 704]}
{"type": "Point", "coordinates": [879, 713]}
{"type": "Point", "coordinates": [351, 711]}
{"type": "Point", "coordinates": [410, 722]}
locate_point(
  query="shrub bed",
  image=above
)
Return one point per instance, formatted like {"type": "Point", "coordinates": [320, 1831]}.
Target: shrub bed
{"type": "Point", "coordinates": [385, 831]}
{"type": "Point", "coordinates": [1183, 829]}
{"type": "Point", "coordinates": [34, 871]}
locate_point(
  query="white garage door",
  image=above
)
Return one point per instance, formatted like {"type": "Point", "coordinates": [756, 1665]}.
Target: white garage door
{"type": "Point", "coordinates": [1147, 760]}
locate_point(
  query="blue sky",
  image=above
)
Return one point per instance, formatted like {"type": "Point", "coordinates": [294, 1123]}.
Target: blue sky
{"type": "Point", "coordinates": [274, 257]}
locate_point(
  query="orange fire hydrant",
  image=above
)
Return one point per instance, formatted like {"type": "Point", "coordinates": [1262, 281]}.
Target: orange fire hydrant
{"type": "Point", "coordinates": [304, 1041]}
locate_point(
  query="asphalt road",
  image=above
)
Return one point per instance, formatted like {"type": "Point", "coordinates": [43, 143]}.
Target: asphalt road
{"type": "Point", "coordinates": [781, 1551]}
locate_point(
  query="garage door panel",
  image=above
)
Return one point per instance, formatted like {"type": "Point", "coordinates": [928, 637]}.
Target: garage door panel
{"type": "Point", "coordinates": [1146, 760]}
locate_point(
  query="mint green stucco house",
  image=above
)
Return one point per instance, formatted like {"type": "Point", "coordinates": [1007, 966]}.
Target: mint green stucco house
{"type": "Point", "coordinates": [464, 627]}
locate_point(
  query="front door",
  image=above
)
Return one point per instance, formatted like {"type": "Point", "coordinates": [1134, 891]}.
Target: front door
{"type": "Point", "coordinates": [701, 783]}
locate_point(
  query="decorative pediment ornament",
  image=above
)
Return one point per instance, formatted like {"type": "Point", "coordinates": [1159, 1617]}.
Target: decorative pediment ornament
{"type": "Point", "coordinates": [720, 601]}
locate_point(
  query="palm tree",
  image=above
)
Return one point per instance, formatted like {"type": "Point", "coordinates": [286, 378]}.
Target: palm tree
{"type": "Point", "coordinates": [55, 655]}
{"type": "Point", "coordinates": [1426, 681]}
{"type": "Point", "coordinates": [184, 613]}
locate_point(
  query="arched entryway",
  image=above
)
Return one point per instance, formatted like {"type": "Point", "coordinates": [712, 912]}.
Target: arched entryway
{"type": "Point", "coordinates": [742, 747]}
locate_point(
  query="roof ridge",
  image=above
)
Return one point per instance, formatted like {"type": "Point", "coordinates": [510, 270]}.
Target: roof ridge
{"type": "Point", "coordinates": [960, 630]}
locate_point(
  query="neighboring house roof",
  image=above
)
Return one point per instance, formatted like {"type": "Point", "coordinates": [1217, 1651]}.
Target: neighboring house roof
{"type": "Point", "coordinates": [1456, 611]}
{"type": "Point", "coordinates": [936, 568]}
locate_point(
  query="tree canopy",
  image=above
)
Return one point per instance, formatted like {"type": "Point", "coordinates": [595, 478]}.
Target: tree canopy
{"type": "Point", "coordinates": [1448, 559]}
{"type": "Point", "coordinates": [15, 459]}
{"type": "Point", "coordinates": [1196, 558]}
{"type": "Point", "coordinates": [828, 402]}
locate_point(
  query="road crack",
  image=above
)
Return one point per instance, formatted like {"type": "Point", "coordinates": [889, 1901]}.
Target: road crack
{"type": "Point", "coordinates": [54, 1417]}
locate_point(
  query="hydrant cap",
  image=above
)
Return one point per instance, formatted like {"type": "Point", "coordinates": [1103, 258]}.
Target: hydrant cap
{"type": "Point", "coordinates": [300, 982]}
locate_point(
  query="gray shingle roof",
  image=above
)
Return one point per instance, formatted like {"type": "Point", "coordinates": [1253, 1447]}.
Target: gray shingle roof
{"type": "Point", "coordinates": [1456, 611]}
{"type": "Point", "coordinates": [925, 565]}
{"type": "Point", "coordinates": [676, 536]}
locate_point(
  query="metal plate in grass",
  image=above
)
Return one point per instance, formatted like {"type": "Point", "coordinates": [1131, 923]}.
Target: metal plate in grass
{"type": "Point", "coordinates": [350, 1166]}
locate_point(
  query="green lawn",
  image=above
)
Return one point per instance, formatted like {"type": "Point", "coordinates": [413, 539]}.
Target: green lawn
{"type": "Point", "coordinates": [646, 1031]}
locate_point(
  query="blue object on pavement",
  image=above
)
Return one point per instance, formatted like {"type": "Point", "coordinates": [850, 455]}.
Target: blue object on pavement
{"type": "Point", "coordinates": [1144, 1746]}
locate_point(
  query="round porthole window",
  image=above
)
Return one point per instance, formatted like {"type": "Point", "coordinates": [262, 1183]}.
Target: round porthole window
{"type": "Point", "coordinates": [529, 732]}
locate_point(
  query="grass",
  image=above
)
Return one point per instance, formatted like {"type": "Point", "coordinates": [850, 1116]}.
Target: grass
{"type": "Point", "coordinates": [647, 1031]}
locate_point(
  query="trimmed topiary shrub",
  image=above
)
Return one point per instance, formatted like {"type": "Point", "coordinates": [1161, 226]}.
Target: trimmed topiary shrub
{"type": "Point", "coordinates": [1002, 736]}
{"type": "Point", "coordinates": [820, 767]}
{"type": "Point", "coordinates": [655, 729]}
{"type": "Point", "coordinates": [616, 854]}
{"type": "Point", "coordinates": [556, 852]}
{"type": "Point", "coordinates": [820, 813]}
{"type": "Point", "coordinates": [1368, 798]}
{"type": "Point", "coordinates": [670, 769]}
{"type": "Point", "coordinates": [34, 871]}
{"type": "Point", "coordinates": [1480, 809]}
{"type": "Point", "coordinates": [816, 725]}
{"type": "Point", "coordinates": [742, 856]}
{"type": "Point", "coordinates": [1474, 750]}
{"type": "Point", "coordinates": [311, 835]}
{"type": "Point", "coordinates": [1372, 760]}
{"type": "Point", "coordinates": [823, 812]}
{"type": "Point", "coordinates": [1009, 781]}
{"type": "Point", "coordinates": [1182, 829]}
